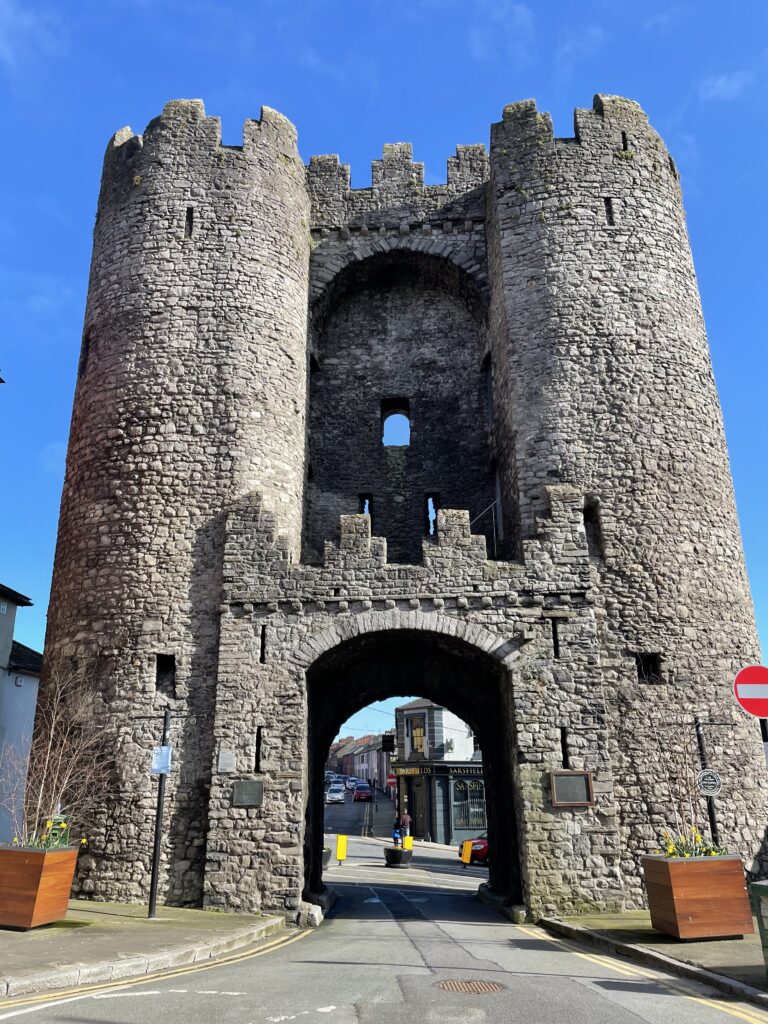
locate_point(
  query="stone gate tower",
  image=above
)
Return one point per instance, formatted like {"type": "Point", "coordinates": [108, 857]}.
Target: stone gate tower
{"type": "Point", "coordinates": [554, 554]}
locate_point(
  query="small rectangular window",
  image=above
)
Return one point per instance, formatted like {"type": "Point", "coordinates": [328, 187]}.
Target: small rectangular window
{"type": "Point", "coordinates": [594, 530]}
{"type": "Point", "coordinates": [564, 745]}
{"type": "Point", "coordinates": [257, 758]}
{"type": "Point", "coordinates": [165, 674]}
{"type": "Point", "coordinates": [365, 505]}
{"type": "Point", "coordinates": [624, 141]}
{"type": "Point", "coordinates": [85, 351]}
{"type": "Point", "coordinates": [3, 608]}
{"type": "Point", "coordinates": [648, 667]}
{"type": "Point", "coordinates": [431, 505]}
{"type": "Point", "coordinates": [556, 642]}
{"type": "Point", "coordinates": [610, 218]}
{"type": "Point", "coordinates": [189, 222]}
{"type": "Point", "coordinates": [263, 646]}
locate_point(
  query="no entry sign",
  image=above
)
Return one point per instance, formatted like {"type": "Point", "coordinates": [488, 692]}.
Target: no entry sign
{"type": "Point", "coordinates": [750, 688]}
{"type": "Point", "coordinates": [391, 780]}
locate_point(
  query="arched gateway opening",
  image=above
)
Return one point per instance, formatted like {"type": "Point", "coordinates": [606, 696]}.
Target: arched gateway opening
{"type": "Point", "coordinates": [444, 669]}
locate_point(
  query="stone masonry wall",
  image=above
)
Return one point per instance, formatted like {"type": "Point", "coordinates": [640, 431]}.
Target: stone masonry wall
{"type": "Point", "coordinates": [605, 376]}
{"type": "Point", "coordinates": [551, 275]}
{"type": "Point", "coordinates": [192, 386]}
{"type": "Point", "coordinates": [504, 610]}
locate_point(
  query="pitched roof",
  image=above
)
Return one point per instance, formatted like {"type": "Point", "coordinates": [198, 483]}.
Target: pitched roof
{"type": "Point", "coordinates": [24, 659]}
{"type": "Point", "coordinates": [14, 596]}
{"type": "Point", "coordinates": [418, 703]}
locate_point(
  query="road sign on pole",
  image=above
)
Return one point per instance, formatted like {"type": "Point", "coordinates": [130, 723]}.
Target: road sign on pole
{"type": "Point", "coordinates": [161, 765]}
{"type": "Point", "coordinates": [391, 780]}
{"type": "Point", "coordinates": [750, 687]}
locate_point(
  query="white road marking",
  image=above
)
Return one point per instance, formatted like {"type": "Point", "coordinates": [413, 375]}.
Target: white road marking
{"type": "Point", "coordinates": [325, 1009]}
{"type": "Point", "coordinates": [372, 901]}
{"type": "Point", "coordinates": [128, 995]}
{"type": "Point", "coordinates": [39, 1006]}
{"type": "Point", "coordinates": [178, 990]}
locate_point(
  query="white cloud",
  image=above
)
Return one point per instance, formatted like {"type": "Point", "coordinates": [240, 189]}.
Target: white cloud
{"type": "Point", "coordinates": [25, 32]}
{"type": "Point", "coordinates": [506, 29]}
{"type": "Point", "coordinates": [663, 21]}
{"type": "Point", "coordinates": [728, 86]}
{"type": "Point", "coordinates": [582, 45]}
{"type": "Point", "coordinates": [312, 61]}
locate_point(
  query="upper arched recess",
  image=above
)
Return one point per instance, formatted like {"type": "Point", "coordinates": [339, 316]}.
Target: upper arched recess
{"type": "Point", "coordinates": [393, 267]}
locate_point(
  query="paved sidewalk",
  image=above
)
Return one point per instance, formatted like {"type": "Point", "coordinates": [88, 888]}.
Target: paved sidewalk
{"type": "Point", "coordinates": [737, 963]}
{"type": "Point", "coordinates": [100, 942]}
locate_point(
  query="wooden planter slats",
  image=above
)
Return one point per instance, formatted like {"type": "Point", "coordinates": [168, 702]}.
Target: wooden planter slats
{"type": "Point", "coordinates": [698, 897]}
{"type": "Point", "coordinates": [35, 885]}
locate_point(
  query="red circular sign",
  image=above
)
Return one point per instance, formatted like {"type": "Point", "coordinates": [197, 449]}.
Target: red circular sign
{"type": "Point", "coordinates": [750, 687]}
{"type": "Point", "coordinates": [391, 780]}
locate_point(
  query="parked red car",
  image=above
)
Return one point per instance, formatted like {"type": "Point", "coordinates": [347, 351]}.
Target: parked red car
{"type": "Point", "coordinates": [363, 792]}
{"type": "Point", "coordinates": [479, 849]}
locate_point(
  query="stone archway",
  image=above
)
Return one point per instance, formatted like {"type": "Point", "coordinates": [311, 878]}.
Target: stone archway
{"type": "Point", "coordinates": [444, 668]}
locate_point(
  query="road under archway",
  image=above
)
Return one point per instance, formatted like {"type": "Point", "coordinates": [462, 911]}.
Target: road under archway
{"type": "Point", "coordinates": [445, 670]}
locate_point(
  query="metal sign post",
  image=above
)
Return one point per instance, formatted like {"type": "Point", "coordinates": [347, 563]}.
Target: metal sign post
{"type": "Point", "coordinates": [706, 782]}
{"type": "Point", "coordinates": [161, 765]}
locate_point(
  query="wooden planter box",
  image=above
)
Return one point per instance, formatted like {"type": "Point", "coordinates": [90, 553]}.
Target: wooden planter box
{"type": "Point", "coordinates": [697, 897]}
{"type": "Point", "coordinates": [35, 885]}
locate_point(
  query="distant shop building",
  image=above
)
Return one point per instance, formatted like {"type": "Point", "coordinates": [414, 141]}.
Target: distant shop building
{"type": "Point", "coordinates": [440, 773]}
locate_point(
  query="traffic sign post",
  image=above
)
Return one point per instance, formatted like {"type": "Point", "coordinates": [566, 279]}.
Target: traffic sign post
{"type": "Point", "coordinates": [391, 780]}
{"type": "Point", "coordinates": [161, 766]}
{"type": "Point", "coordinates": [707, 777]}
{"type": "Point", "coordinates": [750, 688]}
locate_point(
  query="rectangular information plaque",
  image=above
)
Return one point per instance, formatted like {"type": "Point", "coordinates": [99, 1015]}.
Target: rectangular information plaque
{"type": "Point", "coordinates": [571, 788]}
{"type": "Point", "coordinates": [248, 793]}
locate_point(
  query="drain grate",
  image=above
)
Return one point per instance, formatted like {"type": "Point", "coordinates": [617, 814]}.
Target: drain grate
{"type": "Point", "coordinates": [471, 988]}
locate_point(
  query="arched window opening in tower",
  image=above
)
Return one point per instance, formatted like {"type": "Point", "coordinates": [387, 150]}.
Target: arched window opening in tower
{"type": "Point", "coordinates": [397, 431]}
{"type": "Point", "coordinates": [395, 423]}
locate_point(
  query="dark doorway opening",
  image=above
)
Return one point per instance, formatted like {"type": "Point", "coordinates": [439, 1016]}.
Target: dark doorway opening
{"type": "Point", "coordinates": [443, 669]}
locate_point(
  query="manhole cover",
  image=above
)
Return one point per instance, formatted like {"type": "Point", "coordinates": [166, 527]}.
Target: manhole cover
{"type": "Point", "coordinates": [472, 988]}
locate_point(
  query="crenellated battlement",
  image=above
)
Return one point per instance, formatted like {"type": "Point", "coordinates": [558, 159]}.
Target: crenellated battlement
{"type": "Point", "coordinates": [183, 136]}
{"type": "Point", "coordinates": [613, 126]}
{"type": "Point", "coordinates": [397, 183]}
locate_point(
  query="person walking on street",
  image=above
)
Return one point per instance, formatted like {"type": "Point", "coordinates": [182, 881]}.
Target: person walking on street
{"type": "Point", "coordinates": [396, 833]}
{"type": "Point", "coordinates": [405, 823]}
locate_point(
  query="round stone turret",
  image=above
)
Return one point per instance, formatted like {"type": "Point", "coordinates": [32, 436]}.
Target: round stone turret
{"type": "Point", "coordinates": [191, 392]}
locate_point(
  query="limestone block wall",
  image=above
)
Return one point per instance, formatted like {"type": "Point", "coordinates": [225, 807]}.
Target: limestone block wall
{"type": "Point", "coordinates": [191, 390]}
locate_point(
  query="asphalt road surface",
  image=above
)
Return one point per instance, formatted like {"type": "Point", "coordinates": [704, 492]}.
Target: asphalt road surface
{"type": "Point", "coordinates": [402, 947]}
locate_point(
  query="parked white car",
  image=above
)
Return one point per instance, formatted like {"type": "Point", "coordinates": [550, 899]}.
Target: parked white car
{"type": "Point", "coordinates": [337, 794]}
{"type": "Point", "coordinates": [351, 783]}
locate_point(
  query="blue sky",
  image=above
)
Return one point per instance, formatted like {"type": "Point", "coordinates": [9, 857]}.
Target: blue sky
{"type": "Point", "coordinates": [352, 76]}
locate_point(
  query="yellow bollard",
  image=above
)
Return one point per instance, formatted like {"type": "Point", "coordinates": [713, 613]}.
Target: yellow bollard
{"type": "Point", "coordinates": [407, 842]}
{"type": "Point", "coordinates": [341, 848]}
{"type": "Point", "coordinates": [466, 852]}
